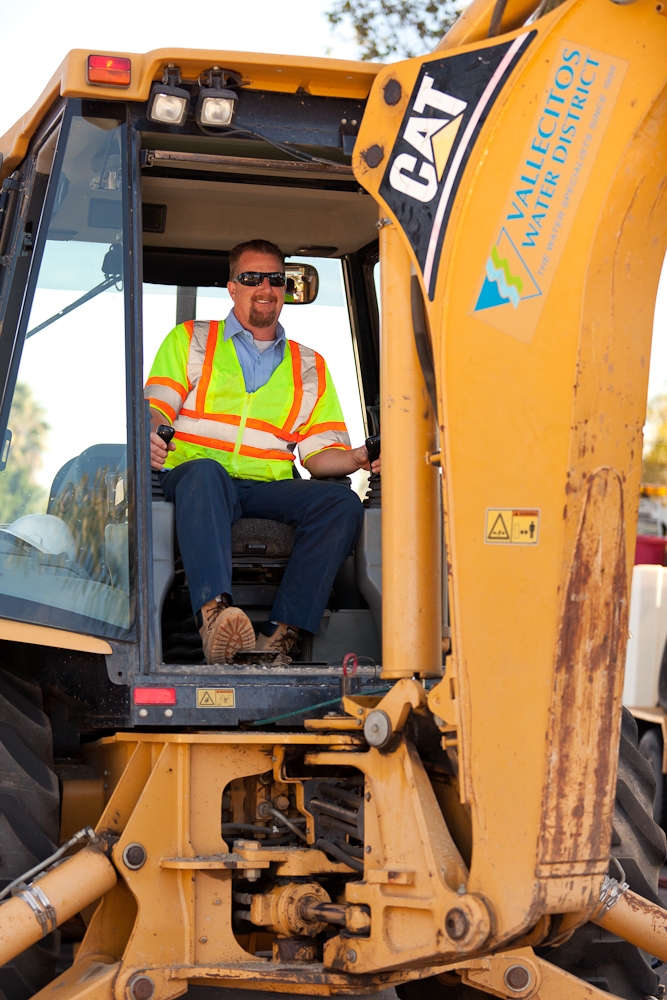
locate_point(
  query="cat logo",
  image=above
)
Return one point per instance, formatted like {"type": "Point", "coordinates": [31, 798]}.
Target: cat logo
{"type": "Point", "coordinates": [433, 139]}
{"type": "Point", "coordinates": [450, 102]}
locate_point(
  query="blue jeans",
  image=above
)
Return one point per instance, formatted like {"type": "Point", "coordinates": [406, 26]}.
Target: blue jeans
{"type": "Point", "coordinates": [327, 518]}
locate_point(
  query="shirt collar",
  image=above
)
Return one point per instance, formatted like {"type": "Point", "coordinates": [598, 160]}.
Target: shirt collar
{"type": "Point", "coordinates": [234, 327]}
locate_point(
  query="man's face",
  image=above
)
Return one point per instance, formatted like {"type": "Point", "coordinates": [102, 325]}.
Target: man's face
{"type": "Point", "coordinates": [257, 307]}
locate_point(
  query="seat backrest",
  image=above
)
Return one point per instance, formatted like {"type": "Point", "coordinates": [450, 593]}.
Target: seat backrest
{"type": "Point", "coordinates": [81, 495]}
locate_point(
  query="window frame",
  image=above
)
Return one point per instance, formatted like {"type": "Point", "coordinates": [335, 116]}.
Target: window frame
{"type": "Point", "coordinates": [19, 290]}
{"type": "Point", "coordinates": [24, 258]}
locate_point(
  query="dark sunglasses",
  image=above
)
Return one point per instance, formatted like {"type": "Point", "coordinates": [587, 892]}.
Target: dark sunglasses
{"type": "Point", "coordinates": [253, 279]}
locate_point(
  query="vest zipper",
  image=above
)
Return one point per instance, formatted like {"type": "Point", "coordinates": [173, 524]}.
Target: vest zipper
{"type": "Point", "coordinates": [239, 436]}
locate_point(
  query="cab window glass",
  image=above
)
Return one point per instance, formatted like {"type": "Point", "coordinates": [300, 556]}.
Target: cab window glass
{"type": "Point", "coordinates": [64, 495]}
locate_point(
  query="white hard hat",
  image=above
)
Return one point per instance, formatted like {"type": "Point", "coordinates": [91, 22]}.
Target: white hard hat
{"type": "Point", "coordinates": [46, 532]}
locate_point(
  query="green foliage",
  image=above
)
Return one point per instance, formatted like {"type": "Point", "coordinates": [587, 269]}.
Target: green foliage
{"type": "Point", "coordinates": [403, 28]}
{"type": "Point", "coordinates": [19, 491]}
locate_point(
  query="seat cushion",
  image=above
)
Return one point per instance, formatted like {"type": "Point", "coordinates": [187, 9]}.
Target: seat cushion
{"type": "Point", "coordinates": [254, 536]}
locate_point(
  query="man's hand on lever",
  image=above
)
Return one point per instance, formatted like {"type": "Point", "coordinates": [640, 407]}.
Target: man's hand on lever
{"type": "Point", "coordinates": [336, 462]}
{"type": "Point", "coordinates": [159, 449]}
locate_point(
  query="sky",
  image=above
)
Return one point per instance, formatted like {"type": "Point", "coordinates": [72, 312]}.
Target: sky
{"type": "Point", "coordinates": [50, 28]}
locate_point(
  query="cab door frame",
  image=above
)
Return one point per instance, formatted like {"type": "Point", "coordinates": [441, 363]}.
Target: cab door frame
{"type": "Point", "coordinates": [18, 280]}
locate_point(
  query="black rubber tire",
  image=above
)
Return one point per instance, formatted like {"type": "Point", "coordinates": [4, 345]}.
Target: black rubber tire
{"type": "Point", "coordinates": [593, 954]}
{"type": "Point", "coordinates": [651, 746]}
{"type": "Point", "coordinates": [29, 817]}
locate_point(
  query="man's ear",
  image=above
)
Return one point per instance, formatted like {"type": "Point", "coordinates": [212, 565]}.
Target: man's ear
{"type": "Point", "coordinates": [231, 288]}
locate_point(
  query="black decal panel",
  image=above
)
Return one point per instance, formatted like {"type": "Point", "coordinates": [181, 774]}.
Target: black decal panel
{"type": "Point", "coordinates": [449, 105]}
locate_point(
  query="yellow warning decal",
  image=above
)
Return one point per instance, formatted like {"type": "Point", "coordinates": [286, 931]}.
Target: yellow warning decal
{"type": "Point", "coordinates": [216, 698]}
{"type": "Point", "coordinates": [505, 526]}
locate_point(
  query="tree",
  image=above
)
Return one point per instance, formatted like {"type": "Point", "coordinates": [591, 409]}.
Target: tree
{"type": "Point", "coordinates": [654, 464]}
{"type": "Point", "coordinates": [403, 28]}
{"type": "Point", "coordinates": [20, 493]}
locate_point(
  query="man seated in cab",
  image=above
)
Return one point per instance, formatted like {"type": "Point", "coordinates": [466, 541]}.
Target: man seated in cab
{"type": "Point", "coordinates": [241, 398]}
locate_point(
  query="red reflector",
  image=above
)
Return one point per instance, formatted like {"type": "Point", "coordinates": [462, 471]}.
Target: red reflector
{"type": "Point", "coordinates": [110, 70]}
{"type": "Point", "coordinates": [154, 696]}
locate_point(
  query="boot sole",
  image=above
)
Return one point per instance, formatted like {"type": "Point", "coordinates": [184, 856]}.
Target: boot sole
{"type": "Point", "coordinates": [233, 633]}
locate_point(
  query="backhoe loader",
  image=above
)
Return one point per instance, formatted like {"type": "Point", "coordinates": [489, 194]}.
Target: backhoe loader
{"type": "Point", "coordinates": [441, 792]}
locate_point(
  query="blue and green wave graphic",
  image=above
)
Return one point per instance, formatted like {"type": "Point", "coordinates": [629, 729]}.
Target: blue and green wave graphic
{"type": "Point", "coordinates": [507, 277]}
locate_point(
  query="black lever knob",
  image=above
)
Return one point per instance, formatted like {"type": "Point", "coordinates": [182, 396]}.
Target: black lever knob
{"type": "Point", "coordinates": [166, 432]}
{"type": "Point", "coordinates": [373, 448]}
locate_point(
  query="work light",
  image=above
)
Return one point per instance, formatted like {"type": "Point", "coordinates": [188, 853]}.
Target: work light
{"type": "Point", "coordinates": [169, 103]}
{"type": "Point", "coordinates": [216, 105]}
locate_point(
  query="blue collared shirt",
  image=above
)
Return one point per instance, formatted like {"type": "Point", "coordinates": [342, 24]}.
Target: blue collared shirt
{"type": "Point", "coordinates": [257, 366]}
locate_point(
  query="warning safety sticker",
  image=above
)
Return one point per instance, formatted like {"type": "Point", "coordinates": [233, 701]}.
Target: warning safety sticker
{"type": "Point", "coordinates": [505, 526]}
{"type": "Point", "coordinates": [216, 698]}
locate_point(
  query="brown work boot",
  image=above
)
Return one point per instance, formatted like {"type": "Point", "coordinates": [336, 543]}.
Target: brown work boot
{"type": "Point", "coordinates": [281, 641]}
{"type": "Point", "coordinates": [225, 631]}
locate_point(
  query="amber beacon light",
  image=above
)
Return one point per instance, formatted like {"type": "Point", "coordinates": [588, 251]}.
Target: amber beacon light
{"type": "Point", "coordinates": [111, 71]}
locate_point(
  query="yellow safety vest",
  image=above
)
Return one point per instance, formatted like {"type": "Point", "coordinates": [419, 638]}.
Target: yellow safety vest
{"type": "Point", "coordinates": [197, 383]}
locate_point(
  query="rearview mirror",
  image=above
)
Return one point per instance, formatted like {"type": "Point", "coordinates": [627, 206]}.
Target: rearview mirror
{"type": "Point", "coordinates": [303, 283]}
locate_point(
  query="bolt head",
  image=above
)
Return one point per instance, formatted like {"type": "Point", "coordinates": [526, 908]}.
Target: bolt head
{"type": "Point", "coordinates": [392, 92]}
{"type": "Point", "coordinates": [168, 713]}
{"type": "Point", "coordinates": [368, 848]}
{"type": "Point", "coordinates": [141, 988]}
{"type": "Point", "coordinates": [456, 924]}
{"type": "Point", "coordinates": [217, 902]}
{"type": "Point", "coordinates": [351, 955]}
{"type": "Point", "coordinates": [203, 940]}
{"type": "Point", "coordinates": [134, 856]}
{"type": "Point", "coordinates": [377, 728]}
{"type": "Point", "coordinates": [143, 712]}
{"type": "Point", "coordinates": [517, 978]}
{"type": "Point", "coordinates": [374, 155]}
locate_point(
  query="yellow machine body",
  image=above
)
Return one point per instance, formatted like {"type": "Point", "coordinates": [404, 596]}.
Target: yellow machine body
{"type": "Point", "coordinates": [523, 220]}
{"type": "Point", "coordinates": [541, 411]}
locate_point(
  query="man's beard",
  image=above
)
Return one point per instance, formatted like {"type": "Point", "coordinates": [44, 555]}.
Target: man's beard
{"type": "Point", "coordinates": [262, 319]}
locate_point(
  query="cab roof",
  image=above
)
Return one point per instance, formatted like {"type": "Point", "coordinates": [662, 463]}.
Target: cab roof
{"type": "Point", "coordinates": [285, 74]}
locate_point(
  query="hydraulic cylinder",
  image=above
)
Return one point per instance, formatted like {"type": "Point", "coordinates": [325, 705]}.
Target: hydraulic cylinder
{"type": "Point", "coordinates": [638, 921]}
{"type": "Point", "coordinates": [411, 582]}
{"type": "Point", "coordinates": [50, 900]}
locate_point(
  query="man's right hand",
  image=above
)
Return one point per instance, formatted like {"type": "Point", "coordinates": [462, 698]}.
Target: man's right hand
{"type": "Point", "coordinates": [159, 451]}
